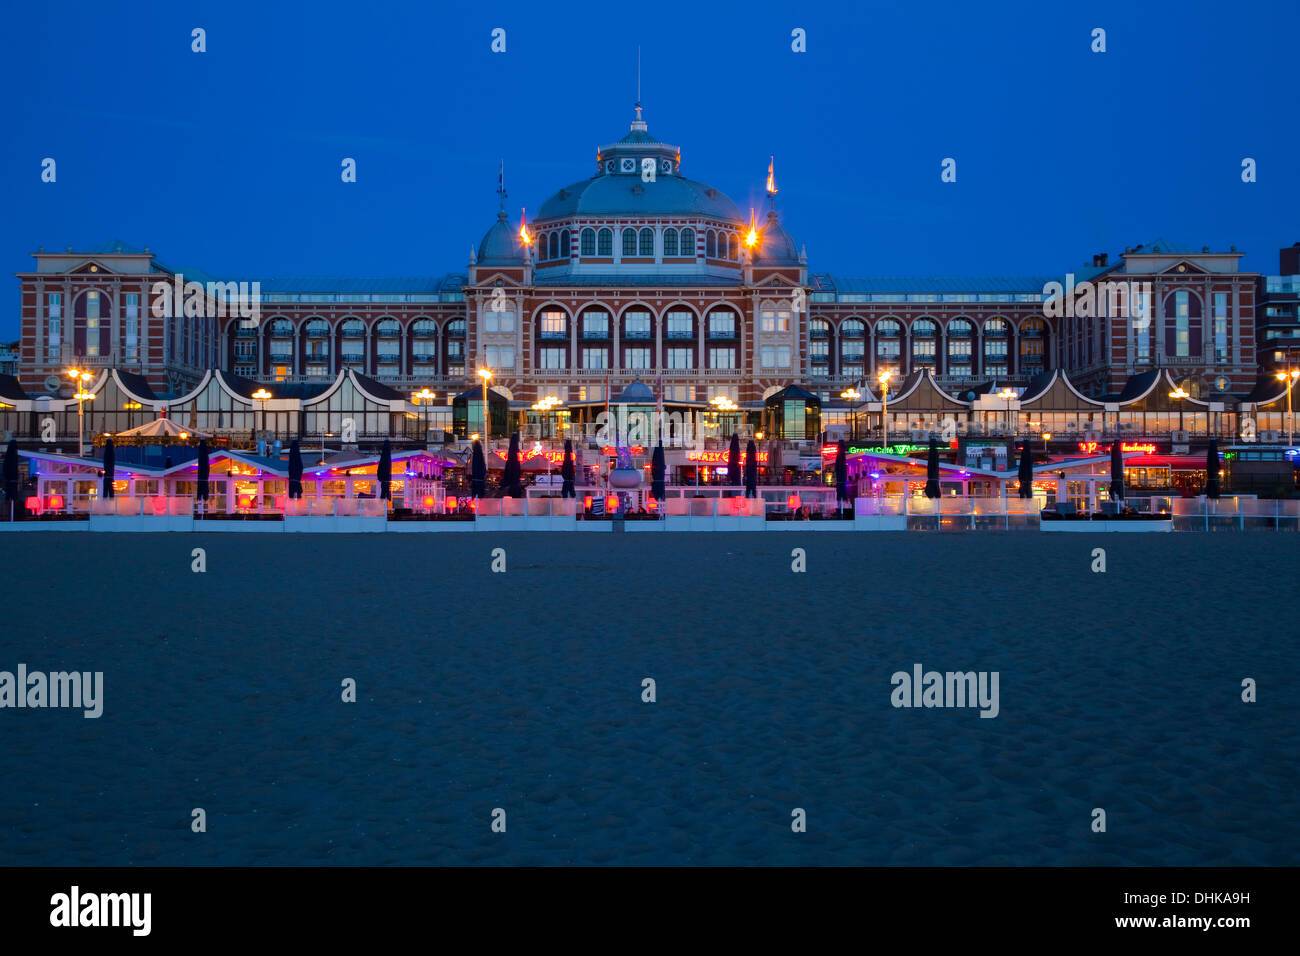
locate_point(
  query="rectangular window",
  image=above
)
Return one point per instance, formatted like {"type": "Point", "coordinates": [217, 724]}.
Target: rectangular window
{"type": "Point", "coordinates": [595, 325]}
{"type": "Point", "coordinates": [783, 356]}
{"type": "Point", "coordinates": [995, 348]}
{"type": "Point", "coordinates": [455, 350]}
{"type": "Point", "coordinates": [53, 342]}
{"type": "Point", "coordinates": [503, 321]}
{"type": "Point", "coordinates": [554, 325]}
{"type": "Point", "coordinates": [595, 358]}
{"type": "Point", "coordinates": [888, 348]}
{"type": "Point", "coordinates": [554, 358]}
{"type": "Point", "coordinates": [722, 325]}
{"type": "Point", "coordinates": [1182, 302]}
{"type": "Point", "coordinates": [92, 304]}
{"type": "Point", "coordinates": [500, 356]}
{"type": "Point", "coordinates": [819, 351]}
{"type": "Point", "coordinates": [636, 358]}
{"type": "Point", "coordinates": [774, 321]}
{"type": "Point", "coordinates": [629, 242]}
{"type": "Point", "coordinates": [1220, 326]}
{"type": "Point", "coordinates": [924, 348]}
{"type": "Point", "coordinates": [605, 243]}
{"type": "Point", "coordinates": [681, 358]}
{"type": "Point", "coordinates": [636, 325]}
{"type": "Point", "coordinates": [680, 325]}
{"type": "Point", "coordinates": [959, 348]}
{"type": "Point", "coordinates": [767, 357]}
{"type": "Point", "coordinates": [722, 358]}
{"type": "Point", "coordinates": [54, 305]}
{"type": "Point", "coordinates": [959, 369]}
{"type": "Point", "coordinates": [852, 349]}
{"type": "Point", "coordinates": [384, 348]}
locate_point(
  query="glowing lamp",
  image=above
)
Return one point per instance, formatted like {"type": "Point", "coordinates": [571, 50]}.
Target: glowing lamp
{"type": "Point", "coordinates": [428, 501]}
{"type": "Point", "coordinates": [245, 501]}
{"type": "Point", "coordinates": [586, 503]}
{"type": "Point", "coordinates": [611, 503]}
{"type": "Point", "coordinates": [737, 506]}
{"type": "Point", "coordinates": [792, 502]}
{"type": "Point", "coordinates": [651, 504]}
{"type": "Point", "coordinates": [34, 505]}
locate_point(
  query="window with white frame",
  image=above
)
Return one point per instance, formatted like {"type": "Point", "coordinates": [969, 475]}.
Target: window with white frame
{"type": "Point", "coordinates": [722, 358]}
{"type": "Point", "coordinates": [500, 356]}
{"type": "Point", "coordinates": [553, 358]}
{"type": "Point", "coordinates": [774, 321]}
{"type": "Point", "coordinates": [636, 358]}
{"type": "Point", "coordinates": [681, 358]}
{"type": "Point", "coordinates": [503, 321]}
{"type": "Point", "coordinates": [595, 358]}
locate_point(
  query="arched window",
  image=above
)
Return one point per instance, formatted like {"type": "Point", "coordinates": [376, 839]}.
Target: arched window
{"type": "Point", "coordinates": [889, 347]}
{"type": "Point", "coordinates": [555, 245]}
{"type": "Point", "coordinates": [281, 328]}
{"type": "Point", "coordinates": [711, 244]}
{"type": "Point", "coordinates": [456, 327]}
{"type": "Point", "coordinates": [688, 242]}
{"type": "Point", "coordinates": [541, 246]}
{"type": "Point", "coordinates": [605, 243]}
{"type": "Point", "coordinates": [819, 334]}
{"type": "Point", "coordinates": [629, 242]}
{"type": "Point", "coordinates": [647, 242]}
{"type": "Point", "coordinates": [924, 347]}
{"type": "Point", "coordinates": [670, 242]}
{"type": "Point", "coordinates": [587, 245]}
{"type": "Point", "coordinates": [352, 328]}
{"type": "Point", "coordinates": [1033, 346]}
{"type": "Point", "coordinates": [424, 327]}
{"type": "Point", "coordinates": [735, 245]}
{"type": "Point", "coordinates": [961, 334]}
{"type": "Point", "coordinates": [853, 347]}
{"type": "Point", "coordinates": [565, 239]}
{"type": "Point", "coordinates": [995, 346]}
{"type": "Point", "coordinates": [316, 329]}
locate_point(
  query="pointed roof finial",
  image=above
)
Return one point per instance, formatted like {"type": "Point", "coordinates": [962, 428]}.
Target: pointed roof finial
{"type": "Point", "coordinates": [638, 123]}
{"type": "Point", "coordinates": [501, 189]}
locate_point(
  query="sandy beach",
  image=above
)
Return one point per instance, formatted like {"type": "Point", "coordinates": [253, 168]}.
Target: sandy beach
{"type": "Point", "coordinates": [522, 690]}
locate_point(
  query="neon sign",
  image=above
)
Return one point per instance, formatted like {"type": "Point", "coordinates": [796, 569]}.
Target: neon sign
{"type": "Point", "coordinates": [1143, 447]}
{"type": "Point", "coordinates": [720, 457]}
{"type": "Point", "coordinates": [830, 451]}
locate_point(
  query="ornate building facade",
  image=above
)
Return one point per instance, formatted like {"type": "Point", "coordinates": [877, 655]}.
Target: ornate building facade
{"type": "Point", "coordinates": [640, 273]}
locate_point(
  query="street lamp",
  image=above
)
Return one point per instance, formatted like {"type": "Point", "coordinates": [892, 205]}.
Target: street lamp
{"type": "Point", "coordinates": [1289, 378]}
{"type": "Point", "coordinates": [1007, 394]}
{"type": "Point", "coordinates": [85, 395]}
{"type": "Point", "coordinates": [422, 398]}
{"type": "Point", "coordinates": [1047, 436]}
{"type": "Point", "coordinates": [263, 396]}
{"type": "Point", "coordinates": [852, 394]}
{"type": "Point", "coordinates": [486, 375]}
{"type": "Point", "coordinates": [883, 378]}
{"type": "Point", "coordinates": [1177, 395]}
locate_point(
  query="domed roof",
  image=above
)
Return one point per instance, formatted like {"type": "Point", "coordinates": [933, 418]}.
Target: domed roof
{"type": "Point", "coordinates": [775, 245]}
{"type": "Point", "coordinates": [622, 188]}
{"type": "Point", "coordinates": [627, 195]}
{"type": "Point", "coordinates": [637, 392]}
{"type": "Point", "coordinates": [501, 245]}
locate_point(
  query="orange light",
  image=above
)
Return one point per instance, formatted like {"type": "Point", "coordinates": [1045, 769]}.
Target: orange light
{"type": "Point", "coordinates": [751, 237]}
{"type": "Point", "coordinates": [651, 504]}
{"type": "Point", "coordinates": [428, 501]}
{"type": "Point", "coordinates": [523, 228]}
{"type": "Point", "coordinates": [586, 503]}
{"type": "Point", "coordinates": [611, 502]}
{"type": "Point", "coordinates": [792, 502]}
{"type": "Point", "coordinates": [771, 176]}
{"type": "Point", "coordinates": [737, 505]}
{"type": "Point", "coordinates": [53, 502]}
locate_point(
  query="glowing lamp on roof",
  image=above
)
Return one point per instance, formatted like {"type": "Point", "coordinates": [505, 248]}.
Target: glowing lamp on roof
{"type": "Point", "coordinates": [751, 237]}
{"type": "Point", "coordinates": [523, 227]}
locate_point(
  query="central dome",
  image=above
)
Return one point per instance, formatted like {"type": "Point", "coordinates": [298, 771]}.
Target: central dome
{"type": "Point", "coordinates": [627, 195]}
{"type": "Point", "coordinates": [639, 176]}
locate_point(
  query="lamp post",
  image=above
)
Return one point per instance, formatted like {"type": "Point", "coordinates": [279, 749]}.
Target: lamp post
{"type": "Point", "coordinates": [1178, 394]}
{"type": "Point", "coordinates": [1007, 394]}
{"type": "Point", "coordinates": [883, 378]}
{"type": "Point", "coordinates": [852, 394]}
{"type": "Point", "coordinates": [1047, 436]}
{"type": "Point", "coordinates": [422, 398]}
{"type": "Point", "coordinates": [1289, 378]}
{"type": "Point", "coordinates": [83, 395]}
{"type": "Point", "coordinates": [262, 396]}
{"type": "Point", "coordinates": [486, 375]}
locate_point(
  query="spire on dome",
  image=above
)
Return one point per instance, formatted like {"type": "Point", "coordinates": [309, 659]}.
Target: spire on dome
{"type": "Point", "coordinates": [638, 123]}
{"type": "Point", "coordinates": [501, 190]}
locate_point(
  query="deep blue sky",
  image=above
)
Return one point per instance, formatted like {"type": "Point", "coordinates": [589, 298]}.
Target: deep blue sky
{"type": "Point", "coordinates": [229, 160]}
